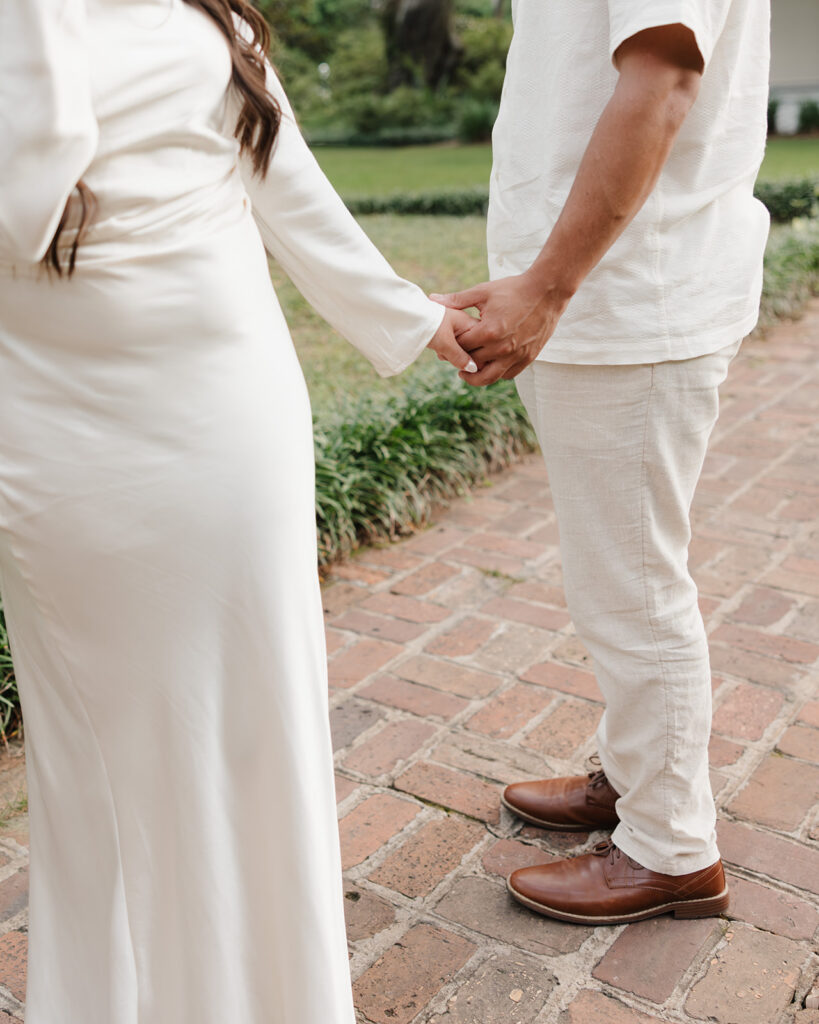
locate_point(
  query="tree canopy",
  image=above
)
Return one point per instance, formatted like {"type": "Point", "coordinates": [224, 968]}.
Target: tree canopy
{"type": "Point", "coordinates": [393, 70]}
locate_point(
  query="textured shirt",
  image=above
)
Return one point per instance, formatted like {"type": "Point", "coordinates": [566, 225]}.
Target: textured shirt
{"type": "Point", "coordinates": [685, 277]}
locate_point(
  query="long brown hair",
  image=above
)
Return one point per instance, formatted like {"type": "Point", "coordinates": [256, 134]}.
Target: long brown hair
{"type": "Point", "coordinates": [256, 128]}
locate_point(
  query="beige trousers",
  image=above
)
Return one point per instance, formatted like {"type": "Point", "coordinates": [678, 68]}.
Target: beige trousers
{"type": "Point", "coordinates": [624, 447]}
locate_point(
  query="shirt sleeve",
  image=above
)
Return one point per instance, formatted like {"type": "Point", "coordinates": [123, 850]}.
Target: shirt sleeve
{"type": "Point", "coordinates": [48, 132]}
{"type": "Point", "coordinates": [705, 18]}
{"type": "Point", "coordinates": [305, 225]}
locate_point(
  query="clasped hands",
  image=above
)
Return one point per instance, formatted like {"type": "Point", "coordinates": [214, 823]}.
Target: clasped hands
{"type": "Point", "coordinates": [517, 316]}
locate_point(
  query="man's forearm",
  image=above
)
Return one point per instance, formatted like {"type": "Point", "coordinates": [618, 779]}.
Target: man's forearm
{"type": "Point", "coordinates": [620, 167]}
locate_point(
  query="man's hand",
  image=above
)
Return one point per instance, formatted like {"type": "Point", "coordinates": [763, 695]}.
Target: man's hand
{"type": "Point", "coordinates": [445, 342]}
{"type": "Point", "coordinates": [518, 316]}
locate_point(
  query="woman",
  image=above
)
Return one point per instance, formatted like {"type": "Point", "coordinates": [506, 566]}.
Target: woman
{"type": "Point", "coordinates": [157, 530]}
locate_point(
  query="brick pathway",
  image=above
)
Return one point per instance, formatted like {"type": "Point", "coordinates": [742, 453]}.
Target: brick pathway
{"type": "Point", "coordinates": [454, 670]}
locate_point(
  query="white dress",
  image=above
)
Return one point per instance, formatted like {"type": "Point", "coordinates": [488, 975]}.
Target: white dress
{"type": "Point", "coordinates": [157, 530]}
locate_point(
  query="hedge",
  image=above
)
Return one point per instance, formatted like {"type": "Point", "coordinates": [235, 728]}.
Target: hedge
{"type": "Point", "coordinates": [9, 698]}
{"type": "Point", "coordinates": [387, 138]}
{"type": "Point", "coordinates": [798, 197]}
{"type": "Point", "coordinates": [791, 270]}
{"type": "Point", "coordinates": [785, 201]}
{"type": "Point", "coordinates": [383, 466]}
{"type": "Point", "coordinates": [455, 203]}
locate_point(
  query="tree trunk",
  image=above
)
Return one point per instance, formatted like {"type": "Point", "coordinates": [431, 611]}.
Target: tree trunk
{"type": "Point", "coordinates": [420, 40]}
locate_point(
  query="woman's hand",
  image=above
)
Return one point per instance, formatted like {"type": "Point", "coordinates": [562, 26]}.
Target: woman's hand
{"type": "Point", "coordinates": [445, 342]}
{"type": "Point", "coordinates": [517, 317]}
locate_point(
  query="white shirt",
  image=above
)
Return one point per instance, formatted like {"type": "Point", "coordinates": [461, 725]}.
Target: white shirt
{"type": "Point", "coordinates": [684, 279]}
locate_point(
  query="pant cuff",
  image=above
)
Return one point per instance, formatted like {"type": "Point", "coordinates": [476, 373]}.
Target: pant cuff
{"type": "Point", "coordinates": [648, 854]}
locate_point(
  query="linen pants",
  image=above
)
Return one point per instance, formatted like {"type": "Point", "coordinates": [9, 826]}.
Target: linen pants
{"type": "Point", "coordinates": [624, 448]}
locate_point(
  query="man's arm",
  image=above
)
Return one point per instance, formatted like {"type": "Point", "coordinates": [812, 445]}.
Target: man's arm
{"type": "Point", "coordinates": [660, 72]}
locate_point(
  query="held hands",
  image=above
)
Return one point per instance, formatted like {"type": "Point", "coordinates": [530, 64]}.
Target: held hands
{"type": "Point", "coordinates": [445, 342]}
{"type": "Point", "coordinates": [518, 315]}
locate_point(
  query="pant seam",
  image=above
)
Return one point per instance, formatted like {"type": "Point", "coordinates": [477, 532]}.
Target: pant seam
{"type": "Point", "coordinates": [649, 616]}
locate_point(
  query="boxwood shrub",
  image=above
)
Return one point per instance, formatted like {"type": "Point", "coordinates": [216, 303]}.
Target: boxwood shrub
{"type": "Point", "coordinates": [784, 199]}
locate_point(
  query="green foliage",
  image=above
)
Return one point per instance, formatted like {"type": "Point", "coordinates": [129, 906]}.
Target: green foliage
{"type": "Point", "coordinates": [791, 270]}
{"type": "Point", "coordinates": [462, 203]}
{"type": "Point", "coordinates": [483, 65]}
{"type": "Point", "coordinates": [476, 120]}
{"type": "Point", "coordinates": [773, 109]}
{"type": "Point", "coordinates": [358, 63]}
{"type": "Point", "coordinates": [9, 698]}
{"type": "Point", "coordinates": [340, 135]}
{"type": "Point", "coordinates": [788, 199]}
{"type": "Point", "coordinates": [350, 99]}
{"type": "Point", "coordinates": [401, 110]}
{"type": "Point", "coordinates": [312, 26]}
{"type": "Point", "coordinates": [784, 199]}
{"type": "Point", "coordinates": [809, 116]}
{"type": "Point", "coordinates": [383, 465]}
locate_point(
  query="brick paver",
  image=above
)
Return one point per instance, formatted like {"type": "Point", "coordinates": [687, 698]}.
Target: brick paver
{"type": "Point", "coordinates": [454, 668]}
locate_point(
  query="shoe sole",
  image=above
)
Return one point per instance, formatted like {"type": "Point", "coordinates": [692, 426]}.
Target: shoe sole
{"type": "Point", "coordinates": [709, 907]}
{"type": "Point", "coordinates": [553, 825]}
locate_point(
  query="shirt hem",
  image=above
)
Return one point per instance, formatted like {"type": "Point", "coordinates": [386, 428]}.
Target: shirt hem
{"type": "Point", "coordinates": [588, 352]}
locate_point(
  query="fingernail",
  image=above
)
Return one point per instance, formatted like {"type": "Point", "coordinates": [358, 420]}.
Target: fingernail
{"type": "Point", "coordinates": [471, 366]}
{"type": "Point", "coordinates": [436, 297]}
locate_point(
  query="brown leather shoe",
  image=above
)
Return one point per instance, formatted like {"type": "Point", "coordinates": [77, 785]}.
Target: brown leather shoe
{"type": "Point", "coordinates": [607, 887]}
{"type": "Point", "coordinates": [575, 804]}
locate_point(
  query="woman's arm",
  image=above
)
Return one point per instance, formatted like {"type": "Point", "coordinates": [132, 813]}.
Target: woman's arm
{"type": "Point", "coordinates": [307, 227]}
{"type": "Point", "coordinates": [48, 132]}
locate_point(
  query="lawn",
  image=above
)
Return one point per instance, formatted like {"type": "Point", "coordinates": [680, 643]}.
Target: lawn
{"type": "Point", "coordinates": [791, 158]}
{"type": "Point", "coordinates": [366, 172]}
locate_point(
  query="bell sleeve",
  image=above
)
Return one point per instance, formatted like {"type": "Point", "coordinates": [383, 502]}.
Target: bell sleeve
{"type": "Point", "coordinates": [48, 132]}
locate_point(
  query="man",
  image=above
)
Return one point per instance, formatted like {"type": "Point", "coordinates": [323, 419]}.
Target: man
{"type": "Point", "coordinates": [626, 263]}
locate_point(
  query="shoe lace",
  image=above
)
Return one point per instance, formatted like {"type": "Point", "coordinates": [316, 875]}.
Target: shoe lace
{"type": "Point", "coordinates": [607, 849]}
{"type": "Point", "coordinates": [597, 779]}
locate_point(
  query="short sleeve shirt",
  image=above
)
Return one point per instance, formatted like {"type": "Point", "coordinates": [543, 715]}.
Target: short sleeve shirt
{"type": "Point", "coordinates": [684, 278]}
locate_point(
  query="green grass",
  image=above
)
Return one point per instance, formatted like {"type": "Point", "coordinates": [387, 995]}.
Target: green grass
{"type": "Point", "coordinates": [18, 805]}
{"type": "Point", "coordinates": [790, 158]}
{"type": "Point", "coordinates": [381, 172]}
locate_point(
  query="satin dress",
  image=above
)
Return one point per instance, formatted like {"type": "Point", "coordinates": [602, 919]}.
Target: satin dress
{"type": "Point", "coordinates": [157, 526]}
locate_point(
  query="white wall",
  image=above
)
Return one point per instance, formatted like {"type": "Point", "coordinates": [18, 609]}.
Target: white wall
{"type": "Point", "coordinates": [795, 45]}
{"type": "Point", "coordinates": [794, 58]}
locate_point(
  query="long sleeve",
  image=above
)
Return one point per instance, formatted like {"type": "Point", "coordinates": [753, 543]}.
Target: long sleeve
{"type": "Point", "coordinates": [305, 225]}
{"type": "Point", "coordinates": [48, 133]}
